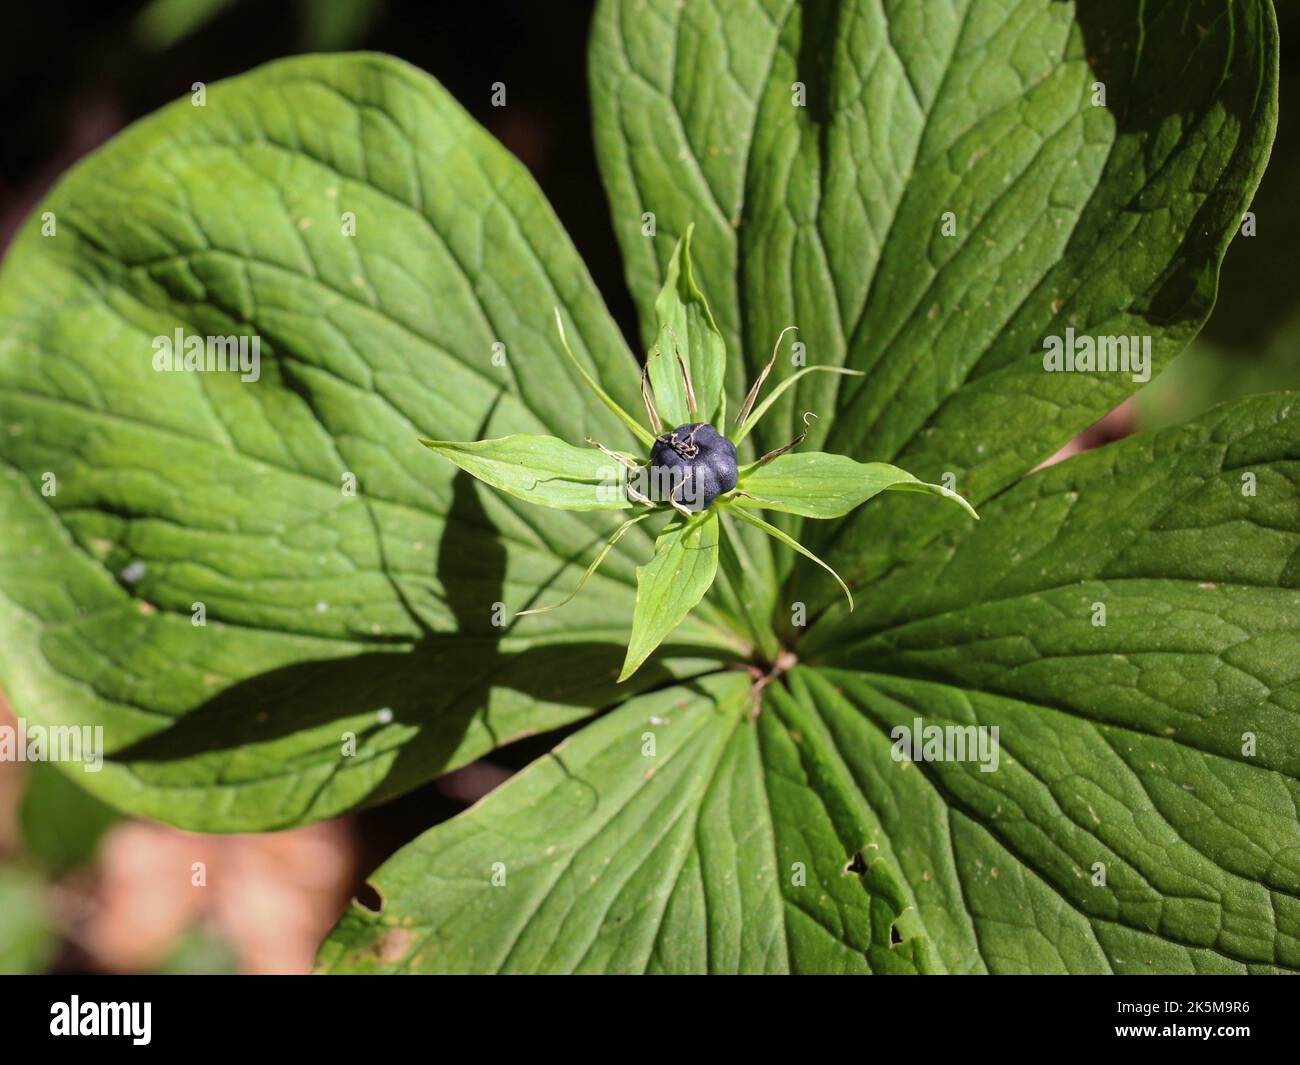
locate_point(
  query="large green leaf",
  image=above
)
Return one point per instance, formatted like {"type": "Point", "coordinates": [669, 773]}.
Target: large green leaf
{"type": "Point", "coordinates": [653, 841]}
{"type": "Point", "coordinates": [328, 612]}
{"type": "Point", "coordinates": [1130, 620]}
{"type": "Point", "coordinates": [830, 216]}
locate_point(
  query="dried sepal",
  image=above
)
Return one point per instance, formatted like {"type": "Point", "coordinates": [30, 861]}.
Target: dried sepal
{"type": "Point", "coordinates": [647, 397]}
{"type": "Point", "coordinates": [691, 405]}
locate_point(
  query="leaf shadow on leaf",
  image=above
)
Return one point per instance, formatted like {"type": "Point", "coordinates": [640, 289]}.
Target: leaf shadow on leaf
{"type": "Point", "coordinates": [815, 64]}
{"type": "Point", "coordinates": [438, 685]}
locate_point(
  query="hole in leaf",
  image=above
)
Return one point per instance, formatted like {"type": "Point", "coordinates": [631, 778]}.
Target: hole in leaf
{"type": "Point", "coordinates": [856, 866]}
{"type": "Point", "coordinates": [369, 898]}
{"type": "Point", "coordinates": [894, 937]}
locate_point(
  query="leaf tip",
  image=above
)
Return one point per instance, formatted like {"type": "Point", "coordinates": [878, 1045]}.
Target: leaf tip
{"type": "Point", "coordinates": [964, 503]}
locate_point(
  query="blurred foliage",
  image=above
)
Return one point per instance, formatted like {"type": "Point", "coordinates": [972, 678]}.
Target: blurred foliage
{"type": "Point", "coordinates": [334, 25]}
{"type": "Point", "coordinates": [200, 952]}
{"type": "Point", "coordinates": [1209, 373]}
{"type": "Point", "coordinates": [324, 25]}
{"type": "Point", "coordinates": [161, 23]}
{"type": "Point", "coordinates": [28, 941]}
{"type": "Point", "coordinates": [61, 823]}
{"type": "Point", "coordinates": [1252, 340]}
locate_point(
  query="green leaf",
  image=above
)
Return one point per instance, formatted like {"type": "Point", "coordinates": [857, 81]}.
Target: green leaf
{"type": "Point", "coordinates": [670, 585]}
{"type": "Point", "coordinates": [686, 327]}
{"type": "Point", "coordinates": [1108, 219]}
{"type": "Point", "coordinates": [617, 856]}
{"type": "Point", "coordinates": [541, 470]}
{"type": "Point", "coordinates": [1130, 620]}
{"type": "Point", "coordinates": [349, 580]}
{"type": "Point", "coordinates": [818, 485]}
{"type": "Point", "coordinates": [1123, 743]}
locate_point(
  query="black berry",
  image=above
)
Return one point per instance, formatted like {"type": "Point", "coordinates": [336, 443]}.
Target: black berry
{"type": "Point", "coordinates": [694, 464]}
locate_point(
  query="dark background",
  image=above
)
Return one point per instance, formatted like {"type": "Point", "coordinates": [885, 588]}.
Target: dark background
{"type": "Point", "coordinates": [72, 74]}
{"type": "Point", "coordinates": [94, 890]}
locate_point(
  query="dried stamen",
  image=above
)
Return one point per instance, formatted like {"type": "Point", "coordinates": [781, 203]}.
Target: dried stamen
{"type": "Point", "coordinates": [672, 498]}
{"type": "Point", "coordinates": [691, 405]}
{"type": "Point", "coordinates": [686, 447]}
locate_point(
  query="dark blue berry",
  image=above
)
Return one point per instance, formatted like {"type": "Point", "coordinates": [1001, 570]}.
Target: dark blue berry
{"type": "Point", "coordinates": [694, 463]}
